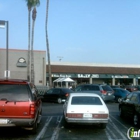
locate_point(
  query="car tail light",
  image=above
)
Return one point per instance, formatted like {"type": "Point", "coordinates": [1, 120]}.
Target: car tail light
{"type": "Point", "coordinates": [104, 92]}
{"type": "Point", "coordinates": [100, 115]}
{"type": "Point", "coordinates": [67, 94]}
{"type": "Point", "coordinates": [73, 115]}
{"type": "Point", "coordinates": [32, 109]}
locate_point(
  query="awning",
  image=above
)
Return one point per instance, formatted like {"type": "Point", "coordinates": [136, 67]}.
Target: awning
{"type": "Point", "coordinates": [63, 80]}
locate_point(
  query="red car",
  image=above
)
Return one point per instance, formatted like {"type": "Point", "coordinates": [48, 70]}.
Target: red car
{"type": "Point", "coordinates": [20, 104]}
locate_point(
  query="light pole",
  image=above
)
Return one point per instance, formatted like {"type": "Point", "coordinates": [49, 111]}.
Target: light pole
{"type": "Point", "coordinates": [2, 25]}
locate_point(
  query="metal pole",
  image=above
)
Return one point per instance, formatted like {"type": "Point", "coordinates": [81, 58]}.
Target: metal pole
{"type": "Point", "coordinates": [7, 30]}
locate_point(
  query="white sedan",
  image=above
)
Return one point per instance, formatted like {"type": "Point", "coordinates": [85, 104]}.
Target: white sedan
{"type": "Point", "coordinates": [85, 108]}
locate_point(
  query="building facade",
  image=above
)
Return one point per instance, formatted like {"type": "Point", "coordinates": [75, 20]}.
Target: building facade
{"type": "Point", "coordinates": [17, 65]}
{"type": "Point", "coordinates": [97, 73]}
{"type": "Point", "coordinates": [80, 72]}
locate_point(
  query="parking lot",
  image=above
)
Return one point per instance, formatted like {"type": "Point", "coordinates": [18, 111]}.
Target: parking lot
{"type": "Point", "coordinates": [51, 127]}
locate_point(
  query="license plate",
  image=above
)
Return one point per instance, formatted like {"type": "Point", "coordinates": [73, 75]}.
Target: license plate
{"type": "Point", "coordinates": [87, 115]}
{"type": "Point", "coordinates": [3, 121]}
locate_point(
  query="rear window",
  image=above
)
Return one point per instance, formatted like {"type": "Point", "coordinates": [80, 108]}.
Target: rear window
{"type": "Point", "coordinates": [107, 88]}
{"type": "Point", "coordinates": [14, 92]}
{"type": "Point", "coordinates": [86, 100]}
{"type": "Point", "coordinates": [67, 90]}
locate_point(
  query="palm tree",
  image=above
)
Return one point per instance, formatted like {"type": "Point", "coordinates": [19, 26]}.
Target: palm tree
{"type": "Point", "coordinates": [47, 45]}
{"type": "Point", "coordinates": [30, 5]}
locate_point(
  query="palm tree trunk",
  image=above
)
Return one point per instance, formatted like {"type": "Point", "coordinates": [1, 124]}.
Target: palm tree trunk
{"type": "Point", "coordinates": [47, 46]}
{"type": "Point", "coordinates": [28, 67]}
{"type": "Point", "coordinates": [32, 41]}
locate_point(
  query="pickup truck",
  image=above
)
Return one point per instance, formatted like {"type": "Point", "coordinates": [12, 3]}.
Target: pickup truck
{"type": "Point", "coordinates": [20, 104]}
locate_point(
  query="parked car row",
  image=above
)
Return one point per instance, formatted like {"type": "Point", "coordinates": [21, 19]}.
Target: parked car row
{"type": "Point", "coordinates": [106, 92]}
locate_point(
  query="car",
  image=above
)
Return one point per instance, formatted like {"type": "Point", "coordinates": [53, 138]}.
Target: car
{"type": "Point", "coordinates": [130, 107]}
{"type": "Point", "coordinates": [85, 108]}
{"type": "Point", "coordinates": [20, 104]}
{"type": "Point", "coordinates": [120, 93]}
{"type": "Point", "coordinates": [131, 88]}
{"type": "Point", "coordinates": [58, 95]}
{"type": "Point", "coordinates": [105, 91]}
{"type": "Point", "coordinates": [115, 86]}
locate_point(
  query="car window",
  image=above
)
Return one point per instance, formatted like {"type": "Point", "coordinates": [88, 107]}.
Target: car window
{"type": "Point", "coordinates": [67, 90]}
{"type": "Point", "coordinates": [50, 91]}
{"type": "Point", "coordinates": [90, 87]}
{"type": "Point", "coordinates": [14, 92]}
{"type": "Point", "coordinates": [107, 88]}
{"type": "Point", "coordinates": [124, 91]}
{"type": "Point", "coordinates": [134, 98]}
{"type": "Point", "coordinates": [128, 97]}
{"type": "Point", "coordinates": [78, 88]}
{"type": "Point", "coordinates": [86, 100]}
{"type": "Point", "coordinates": [56, 91]}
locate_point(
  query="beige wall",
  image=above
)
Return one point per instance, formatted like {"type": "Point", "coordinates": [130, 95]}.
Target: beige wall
{"type": "Point", "coordinates": [21, 72]}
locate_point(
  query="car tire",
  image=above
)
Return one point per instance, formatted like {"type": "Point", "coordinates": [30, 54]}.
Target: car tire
{"type": "Point", "coordinates": [121, 113]}
{"type": "Point", "coordinates": [103, 125]}
{"type": "Point", "coordinates": [59, 100]}
{"type": "Point", "coordinates": [136, 120]}
{"type": "Point", "coordinates": [119, 99]}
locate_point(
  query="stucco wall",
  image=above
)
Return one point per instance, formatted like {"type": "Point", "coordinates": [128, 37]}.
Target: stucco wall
{"type": "Point", "coordinates": [21, 72]}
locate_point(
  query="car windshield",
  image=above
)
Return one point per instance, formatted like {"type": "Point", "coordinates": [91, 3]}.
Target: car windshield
{"type": "Point", "coordinates": [14, 92]}
{"type": "Point", "coordinates": [86, 100]}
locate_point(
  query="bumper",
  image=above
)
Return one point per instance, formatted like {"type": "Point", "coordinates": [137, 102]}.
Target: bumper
{"type": "Point", "coordinates": [86, 121]}
{"type": "Point", "coordinates": [17, 122]}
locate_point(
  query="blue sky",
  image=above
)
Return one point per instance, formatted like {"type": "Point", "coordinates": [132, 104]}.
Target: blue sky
{"type": "Point", "coordinates": [88, 31]}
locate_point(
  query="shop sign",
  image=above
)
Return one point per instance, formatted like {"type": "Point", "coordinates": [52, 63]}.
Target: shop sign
{"type": "Point", "coordinates": [61, 75]}
{"type": "Point", "coordinates": [119, 76]}
{"type": "Point", "coordinates": [21, 62]}
{"type": "Point", "coordinates": [88, 75]}
{"type": "Point", "coordinates": [83, 75]}
{"type": "Point", "coordinates": [95, 75]}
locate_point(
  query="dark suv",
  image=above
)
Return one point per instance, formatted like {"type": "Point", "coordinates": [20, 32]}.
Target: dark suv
{"type": "Point", "coordinates": [20, 104]}
{"type": "Point", "coordinates": [105, 91]}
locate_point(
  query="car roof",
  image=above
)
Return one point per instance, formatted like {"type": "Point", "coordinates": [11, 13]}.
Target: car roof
{"type": "Point", "coordinates": [12, 81]}
{"type": "Point", "coordinates": [93, 85]}
{"type": "Point", "coordinates": [84, 94]}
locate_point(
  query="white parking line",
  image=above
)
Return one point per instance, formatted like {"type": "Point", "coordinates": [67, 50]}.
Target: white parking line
{"type": "Point", "coordinates": [55, 132]}
{"type": "Point", "coordinates": [41, 134]}
{"type": "Point", "coordinates": [119, 122]}
{"type": "Point", "coordinates": [109, 130]}
{"type": "Point", "coordinates": [117, 129]}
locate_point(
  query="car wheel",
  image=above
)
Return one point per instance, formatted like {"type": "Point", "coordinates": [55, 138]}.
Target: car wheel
{"type": "Point", "coordinates": [135, 120]}
{"type": "Point", "coordinates": [121, 113]}
{"type": "Point", "coordinates": [103, 125]}
{"type": "Point", "coordinates": [59, 100]}
{"type": "Point", "coordinates": [119, 99]}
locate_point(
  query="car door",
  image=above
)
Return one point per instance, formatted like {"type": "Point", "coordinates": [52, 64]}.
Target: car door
{"type": "Point", "coordinates": [131, 104]}
{"type": "Point", "coordinates": [48, 95]}
{"type": "Point", "coordinates": [55, 94]}
{"type": "Point", "coordinates": [125, 104]}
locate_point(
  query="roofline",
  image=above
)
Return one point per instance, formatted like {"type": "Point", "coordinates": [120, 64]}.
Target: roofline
{"type": "Point", "coordinates": [22, 50]}
{"type": "Point", "coordinates": [94, 64]}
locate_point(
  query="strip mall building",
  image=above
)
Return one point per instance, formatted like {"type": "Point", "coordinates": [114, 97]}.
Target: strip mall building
{"type": "Point", "coordinates": [79, 72]}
